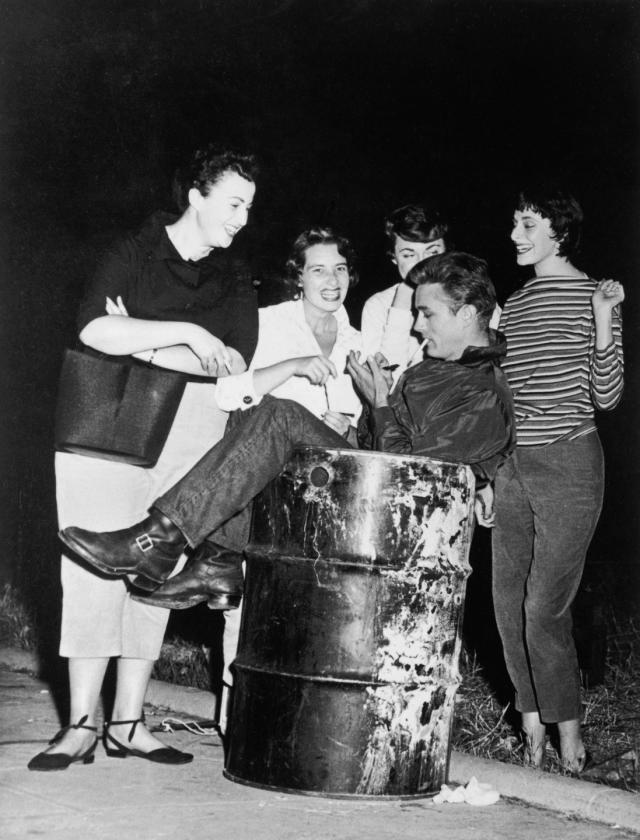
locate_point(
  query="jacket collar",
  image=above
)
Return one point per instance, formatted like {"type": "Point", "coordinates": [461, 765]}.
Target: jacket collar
{"type": "Point", "coordinates": [494, 352]}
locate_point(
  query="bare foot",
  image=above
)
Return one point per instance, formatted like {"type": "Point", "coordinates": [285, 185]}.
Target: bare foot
{"type": "Point", "coordinates": [535, 740]}
{"type": "Point", "coordinates": [573, 754]}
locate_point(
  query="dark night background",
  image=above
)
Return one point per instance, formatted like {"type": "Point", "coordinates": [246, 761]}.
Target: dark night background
{"type": "Point", "coordinates": [354, 107]}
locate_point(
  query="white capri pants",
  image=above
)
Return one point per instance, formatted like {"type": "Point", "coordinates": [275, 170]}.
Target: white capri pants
{"type": "Point", "coordinates": [99, 619]}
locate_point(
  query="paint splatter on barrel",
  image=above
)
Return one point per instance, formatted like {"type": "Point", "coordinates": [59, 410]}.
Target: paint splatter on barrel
{"type": "Point", "coordinates": [347, 665]}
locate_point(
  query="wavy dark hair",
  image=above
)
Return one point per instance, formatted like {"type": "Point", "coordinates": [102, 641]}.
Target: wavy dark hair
{"type": "Point", "coordinates": [206, 167]}
{"type": "Point", "coordinates": [416, 223]}
{"type": "Point", "coordinates": [563, 210]}
{"type": "Point", "coordinates": [297, 256]}
{"type": "Point", "coordinates": [464, 279]}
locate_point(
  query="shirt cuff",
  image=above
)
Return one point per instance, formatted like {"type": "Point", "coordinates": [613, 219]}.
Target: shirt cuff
{"type": "Point", "coordinates": [380, 418]}
{"type": "Point", "coordinates": [237, 392]}
{"type": "Point", "coordinates": [608, 353]}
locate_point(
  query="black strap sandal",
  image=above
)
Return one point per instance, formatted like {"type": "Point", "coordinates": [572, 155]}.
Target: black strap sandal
{"type": "Point", "coordinates": [163, 755]}
{"type": "Point", "coordinates": [60, 761]}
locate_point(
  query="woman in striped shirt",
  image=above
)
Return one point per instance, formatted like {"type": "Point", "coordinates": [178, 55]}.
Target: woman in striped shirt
{"type": "Point", "coordinates": [564, 361]}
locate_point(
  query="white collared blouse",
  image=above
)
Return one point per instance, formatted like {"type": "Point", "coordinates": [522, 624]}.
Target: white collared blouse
{"type": "Point", "coordinates": [284, 334]}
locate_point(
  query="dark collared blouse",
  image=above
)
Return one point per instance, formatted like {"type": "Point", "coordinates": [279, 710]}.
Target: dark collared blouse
{"type": "Point", "coordinates": [155, 283]}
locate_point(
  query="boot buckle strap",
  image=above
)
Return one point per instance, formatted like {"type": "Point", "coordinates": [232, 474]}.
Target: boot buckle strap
{"type": "Point", "coordinates": [144, 543]}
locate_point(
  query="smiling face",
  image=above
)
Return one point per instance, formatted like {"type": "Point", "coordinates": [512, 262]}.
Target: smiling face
{"type": "Point", "coordinates": [324, 278]}
{"type": "Point", "coordinates": [224, 211]}
{"type": "Point", "coordinates": [444, 330]}
{"type": "Point", "coordinates": [533, 237]}
{"type": "Point", "coordinates": [406, 254]}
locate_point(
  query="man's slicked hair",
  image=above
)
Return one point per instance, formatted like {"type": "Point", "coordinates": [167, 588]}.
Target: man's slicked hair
{"type": "Point", "coordinates": [464, 279]}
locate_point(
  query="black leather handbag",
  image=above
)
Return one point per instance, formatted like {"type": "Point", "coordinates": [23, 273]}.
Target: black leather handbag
{"type": "Point", "coordinates": [115, 407]}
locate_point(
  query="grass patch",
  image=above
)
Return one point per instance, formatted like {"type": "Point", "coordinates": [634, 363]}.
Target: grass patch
{"type": "Point", "coordinates": [183, 662]}
{"type": "Point", "coordinates": [611, 717]}
{"type": "Point", "coordinates": [17, 625]}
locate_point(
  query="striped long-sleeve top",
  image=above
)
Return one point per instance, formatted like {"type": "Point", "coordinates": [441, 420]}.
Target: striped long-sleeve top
{"type": "Point", "coordinates": [556, 375]}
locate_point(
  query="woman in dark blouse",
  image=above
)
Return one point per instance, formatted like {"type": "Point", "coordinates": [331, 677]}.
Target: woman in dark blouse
{"type": "Point", "coordinates": [170, 296]}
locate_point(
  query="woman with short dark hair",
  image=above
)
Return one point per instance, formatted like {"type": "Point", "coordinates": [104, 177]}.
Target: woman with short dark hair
{"type": "Point", "coordinates": [304, 341]}
{"type": "Point", "coordinates": [169, 296]}
{"type": "Point", "coordinates": [413, 233]}
{"type": "Point", "coordinates": [564, 361]}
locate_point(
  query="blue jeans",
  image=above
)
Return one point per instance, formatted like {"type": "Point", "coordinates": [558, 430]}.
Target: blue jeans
{"type": "Point", "coordinates": [547, 500]}
{"type": "Point", "coordinates": [213, 499]}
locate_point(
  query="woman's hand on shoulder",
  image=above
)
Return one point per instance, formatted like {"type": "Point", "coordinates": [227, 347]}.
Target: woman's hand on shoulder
{"type": "Point", "coordinates": [607, 295]}
{"type": "Point", "coordinates": [317, 369]}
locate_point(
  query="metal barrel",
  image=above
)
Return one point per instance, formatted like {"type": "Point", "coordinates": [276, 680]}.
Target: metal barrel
{"type": "Point", "coordinates": [347, 663]}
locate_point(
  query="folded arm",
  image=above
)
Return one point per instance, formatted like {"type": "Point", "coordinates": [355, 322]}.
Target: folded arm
{"type": "Point", "coordinates": [177, 345]}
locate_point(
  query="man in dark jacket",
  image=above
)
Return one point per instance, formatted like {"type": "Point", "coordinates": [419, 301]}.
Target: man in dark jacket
{"type": "Point", "coordinates": [453, 406]}
{"type": "Point", "coordinates": [456, 404]}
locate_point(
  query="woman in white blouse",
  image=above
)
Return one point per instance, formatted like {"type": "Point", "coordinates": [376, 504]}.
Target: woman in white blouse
{"type": "Point", "coordinates": [414, 233]}
{"type": "Point", "coordinates": [303, 344]}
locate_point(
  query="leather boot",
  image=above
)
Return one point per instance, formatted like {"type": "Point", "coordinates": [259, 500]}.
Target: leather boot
{"type": "Point", "coordinates": [151, 547]}
{"type": "Point", "coordinates": [213, 574]}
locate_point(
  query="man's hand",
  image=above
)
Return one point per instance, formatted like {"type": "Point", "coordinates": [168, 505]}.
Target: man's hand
{"type": "Point", "coordinates": [371, 379]}
{"type": "Point", "coordinates": [362, 377]}
{"type": "Point", "coordinates": [485, 513]}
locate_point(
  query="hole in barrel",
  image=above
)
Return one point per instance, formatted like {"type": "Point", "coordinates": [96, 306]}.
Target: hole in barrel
{"type": "Point", "coordinates": [319, 477]}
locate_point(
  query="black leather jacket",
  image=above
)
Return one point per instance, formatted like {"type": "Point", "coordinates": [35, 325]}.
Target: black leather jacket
{"type": "Point", "coordinates": [459, 411]}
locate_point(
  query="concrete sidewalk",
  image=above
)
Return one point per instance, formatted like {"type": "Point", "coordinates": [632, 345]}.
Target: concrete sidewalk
{"type": "Point", "coordinates": [139, 799]}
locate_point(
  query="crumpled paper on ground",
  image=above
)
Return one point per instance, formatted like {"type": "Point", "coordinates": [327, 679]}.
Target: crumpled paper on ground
{"type": "Point", "coordinates": [474, 793]}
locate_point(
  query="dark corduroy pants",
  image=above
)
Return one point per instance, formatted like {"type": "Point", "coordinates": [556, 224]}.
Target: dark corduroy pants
{"type": "Point", "coordinates": [548, 500]}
